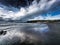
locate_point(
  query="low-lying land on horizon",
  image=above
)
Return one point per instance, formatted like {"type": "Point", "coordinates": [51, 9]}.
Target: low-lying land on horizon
{"type": "Point", "coordinates": [31, 21]}
{"type": "Point", "coordinates": [44, 21]}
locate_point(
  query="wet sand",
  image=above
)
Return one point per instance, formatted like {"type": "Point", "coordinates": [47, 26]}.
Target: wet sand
{"type": "Point", "coordinates": [30, 33]}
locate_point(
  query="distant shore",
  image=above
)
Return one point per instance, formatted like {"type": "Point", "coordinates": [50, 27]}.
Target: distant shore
{"type": "Point", "coordinates": [44, 21]}
{"type": "Point", "coordinates": [31, 21]}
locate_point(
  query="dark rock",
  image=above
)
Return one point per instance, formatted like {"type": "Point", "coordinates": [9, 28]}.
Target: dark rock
{"type": "Point", "coordinates": [3, 32]}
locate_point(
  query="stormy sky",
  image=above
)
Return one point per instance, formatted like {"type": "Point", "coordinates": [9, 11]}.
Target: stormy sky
{"type": "Point", "coordinates": [25, 10]}
{"type": "Point", "coordinates": [16, 3]}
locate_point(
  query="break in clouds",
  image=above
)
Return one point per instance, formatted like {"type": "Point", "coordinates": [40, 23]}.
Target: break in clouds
{"type": "Point", "coordinates": [29, 33]}
{"type": "Point", "coordinates": [29, 10]}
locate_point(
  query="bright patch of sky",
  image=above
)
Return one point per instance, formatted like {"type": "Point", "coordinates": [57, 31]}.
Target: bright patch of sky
{"type": "Point", "coordinates": [44, 10]}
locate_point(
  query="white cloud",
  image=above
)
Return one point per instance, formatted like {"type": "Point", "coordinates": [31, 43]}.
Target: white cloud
{"type": "Point", "coordinates": [31, 10]}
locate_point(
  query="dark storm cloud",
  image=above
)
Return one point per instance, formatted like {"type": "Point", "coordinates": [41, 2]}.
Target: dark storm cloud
{"type": "Point", "coordinates": [53, 10]}
{"type": "Point", "coordinates": [48, 7]}
{"type": "Point", "coordinates": [16, 3]}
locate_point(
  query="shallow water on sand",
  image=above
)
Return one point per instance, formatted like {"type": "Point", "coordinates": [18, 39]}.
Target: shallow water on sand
{"type": "Point", "coordinates": [31, 32]}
